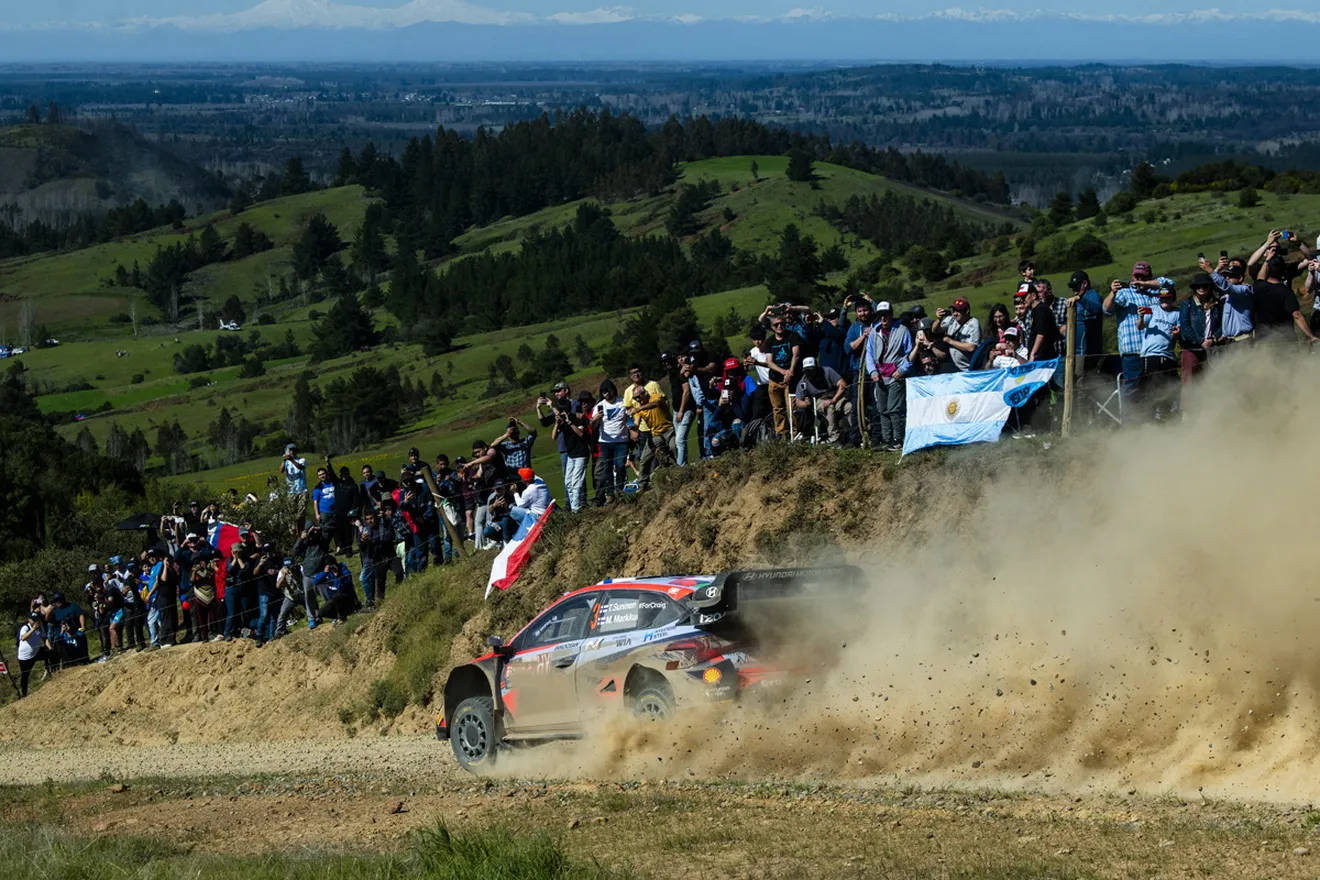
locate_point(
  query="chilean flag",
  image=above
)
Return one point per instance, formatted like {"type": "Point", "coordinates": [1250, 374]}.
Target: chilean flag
{"type": "Point", "coordinates": [509, 564]}
{"type": "Point", "coordinates": [222, 536]}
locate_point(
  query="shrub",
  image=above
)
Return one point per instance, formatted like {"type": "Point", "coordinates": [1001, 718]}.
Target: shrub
{"type": "Point", "coordinates": [137, 379]}
{"type": "Point", "coordinates": [265, 319]}
{"type": "Point", "coordinates": [1248, 198]}
{"type": "Point", "coordinates": [199, 381]}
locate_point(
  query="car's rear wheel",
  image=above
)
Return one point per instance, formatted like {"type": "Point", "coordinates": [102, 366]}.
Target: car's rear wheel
{"type": "Point", "coordinates": [473, 734]}
{"type": "Point", "coordinates": [654, 702]}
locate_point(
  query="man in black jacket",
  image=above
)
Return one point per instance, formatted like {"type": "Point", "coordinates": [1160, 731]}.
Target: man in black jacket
{"type": "Point", "coordinates": [312, 548]}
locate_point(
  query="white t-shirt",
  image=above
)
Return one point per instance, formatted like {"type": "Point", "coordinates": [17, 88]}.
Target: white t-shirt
{"type": "Point", "coordinates": [30, 638]}
{"type": "Point", "coordinates": [536, 497]}
{"type": "Point", "coordinates": [613, 421]}
{"type": "Point", "coordinates": [762, 373]}
{"type": "Point", "coordinates": [295, 476]}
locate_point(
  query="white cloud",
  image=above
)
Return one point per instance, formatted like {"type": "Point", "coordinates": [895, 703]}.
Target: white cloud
{"type": "Point", "coordinates": [298, 14]}
{"type": "Point", "coordinates": [603, 15]}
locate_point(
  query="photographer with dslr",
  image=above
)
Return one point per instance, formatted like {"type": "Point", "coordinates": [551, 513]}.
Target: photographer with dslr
{"type": "Point", "coordinates": [573, 436]}
{"type": "Point", "coordinates": [312, 548]}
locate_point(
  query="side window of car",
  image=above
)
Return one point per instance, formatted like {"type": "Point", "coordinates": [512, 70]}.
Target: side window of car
{"type": "Point", "coordinates": [562, 623]}
{"type": "Point", "coordinates": [628, 610]}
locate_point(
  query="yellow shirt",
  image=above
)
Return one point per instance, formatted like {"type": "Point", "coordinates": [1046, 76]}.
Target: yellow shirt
{"type": "Point", "coordinates": [653, 389]}
{"type": "Point", "coordinates": [656, 420]}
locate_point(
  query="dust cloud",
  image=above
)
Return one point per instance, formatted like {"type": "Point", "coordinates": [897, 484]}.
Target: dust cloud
{"type": "Point", "coordinates": [1139, 614]}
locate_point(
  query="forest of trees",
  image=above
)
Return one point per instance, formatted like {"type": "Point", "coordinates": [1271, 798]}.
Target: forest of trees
{"type": "Point", "coordinates": [894, 223]}
{"type": "Point", "coordinates": [441, 187]}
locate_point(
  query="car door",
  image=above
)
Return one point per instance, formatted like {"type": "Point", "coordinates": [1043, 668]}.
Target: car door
{"type": "Point", "coordinates": [540, 681]}
{"type": "Point", "coordinates": [616, 637]}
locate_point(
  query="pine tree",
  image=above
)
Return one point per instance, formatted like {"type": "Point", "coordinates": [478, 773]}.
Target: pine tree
{"type": "Point", "coordinates": [801, 167]}
{"type": "Point", "coordinates": [295, 179]}
{"type": "Point", "coordinates": [319, 240]}
{"type": "Point", "coordinates": [302, 412]}
{"type": "Point", "coordinates": [345, 328]}
{"type": "Point", "coordinates": [347, 172]}
{"type": "Point", "coordinates": [210, 246]}
{"type": "Point", "coordinates": [1088, 204]}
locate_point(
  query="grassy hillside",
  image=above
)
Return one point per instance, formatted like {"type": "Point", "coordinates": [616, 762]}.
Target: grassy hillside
{"type": "Point", "coordinates": [449, 425]}
{"type": "Point", "coordinates": [72, 298]}
{"type": "Point", "coordinates": [48, 170]}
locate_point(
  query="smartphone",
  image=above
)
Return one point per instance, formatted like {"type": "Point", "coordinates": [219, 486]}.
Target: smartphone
{"type": "Point", "coordinates": [1285, 235]}
{"type": "Point", "coordinates": [1224, 254]}
{"type": "Point", "coordinates": [1145, 311]}
{"type": "Point", "coordinates": [1200, 256]}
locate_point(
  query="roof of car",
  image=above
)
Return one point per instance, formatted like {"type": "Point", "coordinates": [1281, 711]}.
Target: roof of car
{"type": "Point", "coordinates": [674, 586]}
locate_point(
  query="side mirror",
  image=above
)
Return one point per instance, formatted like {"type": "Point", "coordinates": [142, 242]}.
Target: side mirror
{"type": "Point", "coordinates": [497, 645]}
{"type": "Point", "coordinates": [495, 642]}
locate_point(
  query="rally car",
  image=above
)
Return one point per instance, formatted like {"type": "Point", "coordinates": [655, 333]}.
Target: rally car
{"type": "Point", "coordinates": [647, 646]}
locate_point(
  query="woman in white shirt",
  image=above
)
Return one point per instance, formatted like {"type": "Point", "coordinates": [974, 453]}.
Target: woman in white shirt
{"type": "Point", "coordinates": [32, 646]}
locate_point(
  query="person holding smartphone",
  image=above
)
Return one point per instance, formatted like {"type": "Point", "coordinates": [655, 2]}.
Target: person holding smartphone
{"type": "Point", "coordinates": [1123, 302]}
{"type": "Point", "coordinates": [1161, 327]}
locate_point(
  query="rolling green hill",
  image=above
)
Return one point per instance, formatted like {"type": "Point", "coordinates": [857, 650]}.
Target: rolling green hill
{"type": "Point", "coordinates": [51, 170]}
{"type": "Point", "coordinates": [142, 390]}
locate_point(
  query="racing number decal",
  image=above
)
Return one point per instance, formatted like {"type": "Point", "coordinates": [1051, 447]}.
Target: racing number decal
{"type": "Point", "coordinates": [595, 616]}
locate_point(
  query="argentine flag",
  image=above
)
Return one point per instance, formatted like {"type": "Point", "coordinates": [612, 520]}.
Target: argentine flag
{"type": "Point", "coordinates": [955, 408]}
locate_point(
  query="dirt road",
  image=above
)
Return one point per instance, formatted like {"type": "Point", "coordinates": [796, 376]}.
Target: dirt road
{"type": "Point", "coordinates": [371, 792]}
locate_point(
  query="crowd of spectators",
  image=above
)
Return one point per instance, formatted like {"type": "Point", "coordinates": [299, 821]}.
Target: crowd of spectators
{"type": "Point", "coordinates": [835, 377]}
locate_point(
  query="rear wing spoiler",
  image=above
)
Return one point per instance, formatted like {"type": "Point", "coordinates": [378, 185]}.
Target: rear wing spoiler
{"type": "Point", "coordinates": [731, 589]}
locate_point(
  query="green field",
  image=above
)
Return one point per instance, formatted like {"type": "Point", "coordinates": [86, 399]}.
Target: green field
{"type": "Point", "coordinates": [143, 391]}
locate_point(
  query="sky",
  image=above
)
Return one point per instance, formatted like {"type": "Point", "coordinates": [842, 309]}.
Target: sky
{"type": "Point", "coordinates": [17, 13]}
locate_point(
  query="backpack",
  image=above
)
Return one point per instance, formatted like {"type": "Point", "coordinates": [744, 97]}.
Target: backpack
{"type": "Point", "coordinates": [757, 431]}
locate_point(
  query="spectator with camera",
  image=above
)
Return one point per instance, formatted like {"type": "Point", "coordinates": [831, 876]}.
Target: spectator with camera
{"type": "Point", "coordinates": [887, 347]}
{"type": "Point", "coordinates": [241, 585]}
{"type": "Point", "coordinates": [573, 437]}
{"type": "Point", "coordinates": [833, 330]}
{"type": "Point", "coordinates": [135, 612]}
{"type": "Point", "coordinates": [312, 548]}
{"type": "Point", "coordinates": [515, 448]}
{"type": "Point", "coordinates": [962, 333]}
{"type": "Point", "coordinates": [268, 595]}
{"type": "Point", "coordinates": [377, 541]}
{"type": "Point", "coordinates": [547, 405]}
{"type": "Point", "coordinates": [294, 469]}
{"type": "Point", "coordinates": [655, 428]}
{"type": "Point", "coordinates": [1089, 314]}
{"type": "Point", "coordinates": [485, 467]}
{"type": "Point", "coordinates": [335, 583]}
{"type": "Point", "coordinates": [1276, 305]}
{"type": "Point", "coordinates": [1124, 302]}
{"type": "Point", "coordinates": [760, 375]}
{"type": "Point", "coordinates": [1161, 328]}
{"type": "Point", "coordinates": [33, 646]}
{"type": "Point", "coordinates": [823, 393]}
{"type": "Point", "coordinates": [655, 398]}
{"type": "Point", "coordinates": [1009, 351]}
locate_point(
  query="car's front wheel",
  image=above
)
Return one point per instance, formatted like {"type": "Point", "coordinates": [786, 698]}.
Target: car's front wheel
{"type": "Point", "coordinates": [654, 702]}
{"type": "Point", "coordinates": [473, 734]}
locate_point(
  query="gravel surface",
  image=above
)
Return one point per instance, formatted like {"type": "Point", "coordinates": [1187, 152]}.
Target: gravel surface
{"type": "Point", "coordinates": [413, 757]}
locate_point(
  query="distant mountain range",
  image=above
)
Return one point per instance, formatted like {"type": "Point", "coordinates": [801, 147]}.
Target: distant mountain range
{"type": "Point", "coordinates": [457, 31]}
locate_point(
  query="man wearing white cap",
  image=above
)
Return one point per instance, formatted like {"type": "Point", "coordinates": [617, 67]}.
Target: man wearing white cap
{"type": "Point", "coordinates": [826, 393]}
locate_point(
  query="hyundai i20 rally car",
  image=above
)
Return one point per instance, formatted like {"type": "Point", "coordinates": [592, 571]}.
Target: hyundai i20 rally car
{"type": "Point", "coordinates": [646, 646]}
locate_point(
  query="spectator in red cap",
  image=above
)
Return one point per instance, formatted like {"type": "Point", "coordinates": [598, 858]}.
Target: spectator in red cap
{"type": "Point", "coordinates": [1009, 351]}
{"type": "Point", "coordinates": [962, 332]}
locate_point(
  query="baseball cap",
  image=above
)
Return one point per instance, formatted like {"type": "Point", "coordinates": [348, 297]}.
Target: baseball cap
{"type": "Point", "coordinates": [808, 363]}
{"type": "Point", "coordinates": [116, 560]}
{"type": "Point", "coordinates": [93, 567]}
{"type": "Point", "coordinates": [194, 504]}
{"type": "Point", "coordinates": [243, 533]}
{"type": "Point", "coordinates": [1201, 279]}
{"type": "Point", "coordinates": [1013, 332]}
{"type": "Point", "coordinates": [190, 536]}
{"type": "Point", "coordinates": [526, 474]}
{"type": "Point", "coordinates": [925, 324]}
{"type": "Point", "coordinates": [1078, 279]}
{"type": "Point", "coordinates": [1141, 267]}
{"type": "Point", "coordinates": [884, 306]}
{"type": "Point", "coordinates": [1023, 291]}
{"type": "Point", "coordinates": [560, 386]}
{"type": "Point", "coordinates": [584, 396]}
{"type": "Point", "coordinates": [1168, 293]}
{"type": "Point", "coordinates": [832, 314]}
{"type": "Point", "coordinates": [288, 561]}
{"type": "Point", "coordinates": [917, 311]}
{"type": "Point", "coordinates": [694, 345]}
{"type": "Point", "coordinates": [961, 304]}
{"type": "Point", "coordinates": [290, 448]}
{"type": "Point", "coordinates": [34, 615]}
{"type": "Point", "coordinates": [57, 597]}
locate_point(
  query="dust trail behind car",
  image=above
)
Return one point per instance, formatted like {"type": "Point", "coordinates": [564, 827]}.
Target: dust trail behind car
{"type": "Point", "coordinates": [1140, 612]}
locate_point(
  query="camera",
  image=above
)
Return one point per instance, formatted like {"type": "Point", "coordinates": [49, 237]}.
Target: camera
{"type": "Point", "coordinates": [513, 423]}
